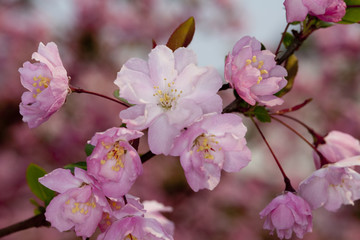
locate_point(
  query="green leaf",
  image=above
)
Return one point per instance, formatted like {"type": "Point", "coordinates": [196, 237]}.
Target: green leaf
{"type": "Point", "coordinates": [33, 173]}
{"type": "Point", "coordinates": [89, 149]}
{"type": "Point", "coordinates": [262, 114]}
{"type": "Point", "coordinates": [72, 166]}
{"type": "Point", "coordinates": [182, 35]}
{"type": "Point", "coordinates": [291, 66]}
{"type": "Point", "coordinates": [288, 39]}
{"type": "Point", "coordinates": [352, 13]}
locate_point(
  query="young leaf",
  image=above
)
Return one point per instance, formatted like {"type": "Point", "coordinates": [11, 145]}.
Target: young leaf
{"type": "Point", "coordinates": [291, 66]}
{"type": "Point", "coordinates": [182, 35]}
{"type": "Point", "coordinates": [288, 38]}
{"type": "Point", "coordinates": [72, 166]}
{"type": "Point", "coordinates": [262, 114]}
{"type": "Point", "coordinates": [352, 13]}
{"type": "Point", "coordinates": [89, 149]}
{"type": "Point", "coordinates": [33, 173]}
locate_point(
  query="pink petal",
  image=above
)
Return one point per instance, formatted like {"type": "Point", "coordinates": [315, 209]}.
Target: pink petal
{"type": "Point", "coordinates": [68, 181]}
{"type": "Point", "coordinates": [295, 10]}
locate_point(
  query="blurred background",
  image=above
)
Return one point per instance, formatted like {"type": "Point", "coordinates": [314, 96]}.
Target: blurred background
{"type": "Point", "coordinates": [96, 37]}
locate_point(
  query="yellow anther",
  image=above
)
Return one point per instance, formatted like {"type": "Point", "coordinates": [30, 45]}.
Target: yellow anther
{"type": "Point", "coordinates": [259, 80]}
{"type": "Point", "coordinates": [248, 61]}
{"type": "Point", "coordinates": [102, 161]}
{"type": "Point", "coordinates": [38, 90]}
{"type": "Point", "coordinates": [35, 78]}
{"type": "Point", "coordinates": [35, 84]}
{"type": "Point", "coordinates": [159, 91]}
{"type": "Point", "coordinates": [254, 59]}
{"type": "Point", "coordinates": [67, 202]}
{"type": "Point", "coordinates": [261, 64]}
{"type": "Point", "coordinates": [169, 85]}
{"type": "Point", "coordinates": [263, 71]}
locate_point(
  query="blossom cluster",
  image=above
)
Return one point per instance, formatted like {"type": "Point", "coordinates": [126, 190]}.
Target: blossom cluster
{"type": "Point", "coordinates": [177, 103]}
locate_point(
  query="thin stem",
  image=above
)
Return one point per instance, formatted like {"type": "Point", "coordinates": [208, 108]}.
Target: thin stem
{"type": "Point", "coordinates": [317, 138]}
{"type": "Point", "coordinates": [80, 90]}
{"type": "Point", "coordinates": [353, 6]}
{"type": "Point", "coordinates": [310, 130]}
{"type": "Point", "coordinates": [35, 221]}
{"type": "Point", "coordinates": [301, 136]}
{"type": "Point", "coordinates": [146, 156]}
{"type": "Point", "coordinates": [281, 40]}
{"type": "Point", "coordinates": [288, 186]}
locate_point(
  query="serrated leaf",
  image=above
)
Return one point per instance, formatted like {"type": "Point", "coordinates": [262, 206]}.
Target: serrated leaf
{"type": "Point", "coordinates": [182, 35]}
{"type": "Point", "coordinates": [33, 173]}
{"type": "Point", "coordinates": [89, 149]}
{"type": "Point", "coordinates": [262, 114]}
{"type": "Point", "coordinates": [72, 166]}
{"type": "Point", "coordinates": [291, 66]}
{"type": "Point", "coordinates": [288, 39]}
{"type": "Point", "coordinates": [352, 13]}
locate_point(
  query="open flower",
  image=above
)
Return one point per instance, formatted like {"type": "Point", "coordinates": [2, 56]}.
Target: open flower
{"type": "Point", "coordinates": [332, 185]}
{"type": "Point", "coordinates": [80, 203]}
{"type": "Point", "coordinates": [170, 93]}
{"type": "Point", "coordinates": [338, 146]}
{"type": "Point", "coordinates": [130, 220]}
{"type": "Point", "coordinates": [213, 143]}
{"type": "Point", "coordinates": [254, 73]}
{"type": "Point", "coordinates": [287, 213]}
{"type": "Point", "coordinates": [47, 83]}
{"type": "Point", "coordinates": [114, 162]}
{"type": "Point", "coordinates": [326, 10]}
{"type": "Point", "coordinates": [135, 227]}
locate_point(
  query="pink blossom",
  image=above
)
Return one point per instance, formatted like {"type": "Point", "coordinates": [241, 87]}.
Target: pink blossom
{"type": "Point", "coordinates": [332, 185]}
{"type": "Point", "coordinates": [326, 10]}
{"type": "Point", "coordinates": [254, 73]}
{"type": "Point", "coordinates": [154, 209]}
{"type": "Point", "coordinates": [135, 227]}
{"type": "Point", "coordinates": [129, 220]}
{"type": "Point", "coordinates": [114, 162]}
{"type": "Point", "coordinates": [47, 83]}
{"type": "Point", "coordinates": [120, 209]}
{"type": "Point", "coordinates": [287, 213]}
{"type": "Point", "coordinates": [169, 92]}
{"type": "Point", "coordinates": [80, 203]}
{"type": "Point", "coordinates": [213, 143]}
{"type": "Point", "coordinates": [338, 146]}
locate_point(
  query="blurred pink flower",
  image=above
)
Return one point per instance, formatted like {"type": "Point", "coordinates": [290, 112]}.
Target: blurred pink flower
{"type": "Point", "coordinates": [338, 146]}
{"type": "Point", "coordinates": [170, 93]}
{"type": "Point", "coordinates": [332, 185]}
{"type": "Point", "coordinates": [254, 73]}
{"type": "Point", "coordinates": [326, 10]}
{"type": "Point", "coordinates": [47, 83]}
{"type": "Point", "coordinates": [80, 204]}
{"type": "Point", "coordinates": [154, 209]}
{"type": "Point", "coordinates": [213, 143]}
{"type": "Point", "coordinates": [114, 163]}
{"type": "Point", "coordinates": [287, 213]}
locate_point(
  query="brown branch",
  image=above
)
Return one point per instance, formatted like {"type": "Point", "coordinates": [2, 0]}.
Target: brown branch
{"type": "Point", "coordinates": [35, 221]}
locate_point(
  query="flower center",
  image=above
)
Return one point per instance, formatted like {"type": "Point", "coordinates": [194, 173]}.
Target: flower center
{"type": "Point", "coordinates": [259, 65]}
{"type": "Point", "coordinates": [130, 237]}
{"type": "Point", "coordinates": [116, 153]}
{"type": "Point", "coordinates": [168, 96]}
{"type": "Point", "coordinates": [206, 145]}
{"type": "Point", "coordinates": [40, 83]}
{"type": "Point", "coordinates": [79, 207]}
